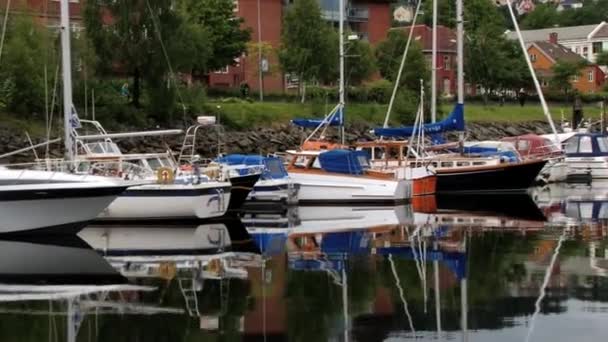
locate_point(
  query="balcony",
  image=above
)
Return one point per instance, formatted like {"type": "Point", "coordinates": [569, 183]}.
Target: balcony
{"type": "Point", "coordinates": [353, 14]}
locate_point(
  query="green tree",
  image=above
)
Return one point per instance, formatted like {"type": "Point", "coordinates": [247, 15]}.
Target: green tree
{"type": "Point", "coordinates": [226, 37]}
{"type": "Point", "coordinates": [446, 15]}
{"type": "Point", "coordinates": [563, 72]}
{"type": "Point", "coordinates": [306, 43]}
{"type": "Point", "coordinates": [388, 58]}
{"type": "Point", "coordinates": [130, 40]}
{"type": "Point", "coordinates": [360, 62]}
{"type": "Point", "coordinates": [491, 61]}
{"type": "Point", "coordinates": [602, 58]}
{"type": "Point", "coordinates": [543, 16]}
{"type": "Point", "coordinates": [28, 48]}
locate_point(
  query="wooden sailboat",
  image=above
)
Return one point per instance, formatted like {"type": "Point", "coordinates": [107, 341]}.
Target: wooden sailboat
{"type": "Point", "coordinates": [462, 174]}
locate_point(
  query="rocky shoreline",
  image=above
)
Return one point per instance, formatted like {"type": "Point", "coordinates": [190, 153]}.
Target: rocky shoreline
{"type": "Point", "coordinates": [259, 140]}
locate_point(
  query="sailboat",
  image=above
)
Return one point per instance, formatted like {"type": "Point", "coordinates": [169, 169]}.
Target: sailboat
{"type": "Point", "coordinates": [457, 173]}
{"type": "Point", "coordinates": [328, 173]}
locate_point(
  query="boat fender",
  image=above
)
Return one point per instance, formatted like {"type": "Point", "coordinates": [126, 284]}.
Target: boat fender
{"type": "Point", "coordinates": [165, 175]}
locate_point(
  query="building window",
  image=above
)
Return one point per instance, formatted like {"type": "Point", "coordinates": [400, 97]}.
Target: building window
{"type": "Point", "coordinates": [533, 57]}
{"type": "Point", "coordinates": [223, 70]}
{"type": "Point", "coordinates": [597, 47]}
{"type": "Point", "coordinates": [590, 75]}
{"type": "Point", "coordinates": [446, 63]}
{"type": "Point", "coordinates": [291, 81]}
{"type": "Point", "coordinates": [446, 86]}
{"type": "Point", "coordinates": [575, 78]}
{"type": "Point", "coordinates": [585, 51]}
{"type": "Point", "coordinates": [235, 8]}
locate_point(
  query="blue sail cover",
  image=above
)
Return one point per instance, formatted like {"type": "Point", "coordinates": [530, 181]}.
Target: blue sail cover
{"type": "Point", "coordinates": [344, 161]}
{"type": "Point", "coordinates": [454, 122]}
{"type": "Point", "coordinates": [336, 120]}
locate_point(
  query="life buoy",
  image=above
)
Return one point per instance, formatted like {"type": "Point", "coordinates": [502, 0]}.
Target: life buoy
{"type": "Point", "coordinates": [165, 175]}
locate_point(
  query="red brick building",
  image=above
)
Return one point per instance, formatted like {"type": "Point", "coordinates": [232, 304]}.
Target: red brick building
{"type": "Point", "coordinates": [446, 54]}
{"type": "Point", "coordinates": [369, 19]}
{"type": "Point", "coordinates": [47, 11]}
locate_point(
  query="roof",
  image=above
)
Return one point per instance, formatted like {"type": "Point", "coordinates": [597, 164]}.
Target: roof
{"type": "Point", "coordinates": [446, 37]}
{"type": "Point", "coordinates": [564, 33]}
{"type": "Point", "coordinates": [557, 52]}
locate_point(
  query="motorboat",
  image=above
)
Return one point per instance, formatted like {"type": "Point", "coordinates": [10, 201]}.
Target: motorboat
{"type": "Point", "coordinates": [172, 192]}
{"type": "Point", "coordinates": [52, 202]}
{"type": "Point", "coordinates": [343, 177]}
{"type": "Point", "coordinates": [275, 184]}
{"type": "Point", "coordinates": [585, 159]}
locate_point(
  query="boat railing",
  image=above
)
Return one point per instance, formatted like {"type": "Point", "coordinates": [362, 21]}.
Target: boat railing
{"type": "Point", "coordinates": [84, 169]}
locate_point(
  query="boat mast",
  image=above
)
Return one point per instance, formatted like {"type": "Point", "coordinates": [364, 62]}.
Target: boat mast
{"type": "Point", "coordinates": [341, 100]}
{"type": "Point", "coordinates": [434, 66]}
{"type": "Point", "coordinates": [398, 79]}
{"type": "Point", "coordinates": [66, 67]}
{"type": "Point", "coordinates": [539, 90]}
{"type": "Point", "coordinates": [460, 52]}
{"type": "Point", "coordinates": [460, 60]}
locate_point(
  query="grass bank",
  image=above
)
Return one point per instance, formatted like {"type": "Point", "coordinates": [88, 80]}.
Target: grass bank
{"type": "Point", "coordinates": [246, 114]}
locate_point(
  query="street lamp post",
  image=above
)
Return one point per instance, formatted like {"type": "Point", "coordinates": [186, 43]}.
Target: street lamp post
{"type": "Point", "coordinates": [260, 69]}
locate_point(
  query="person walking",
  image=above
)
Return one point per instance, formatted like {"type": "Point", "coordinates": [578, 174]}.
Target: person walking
{"type": "Point", "coordinates": [522, 96]}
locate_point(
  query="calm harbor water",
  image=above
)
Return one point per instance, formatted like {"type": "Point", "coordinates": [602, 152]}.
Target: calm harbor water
{"type": "Point", "coordinates": [497, 268]}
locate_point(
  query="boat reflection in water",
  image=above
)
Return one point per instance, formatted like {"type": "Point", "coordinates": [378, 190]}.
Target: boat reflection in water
{"type": "Point", "coordinates": [55, 284]}
{"type": "Point", "coordinates": [574, 203]}
{"type": "Point", "coordinates": [199, 263]}
{"type": "Point", "coordinates": [444, 274]}
{"type": "Point", "coordinates": [434, 270]}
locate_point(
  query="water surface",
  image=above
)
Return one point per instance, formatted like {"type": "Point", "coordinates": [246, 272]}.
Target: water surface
{"type": "Point", "coordinates": [491, 269]}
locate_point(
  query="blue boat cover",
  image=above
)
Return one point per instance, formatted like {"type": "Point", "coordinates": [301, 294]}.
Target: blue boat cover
{"type": "Point", "coordinates": [270, 244]}
{"type": "Point", "coordinates": [273, 167]}
{"type": "Point", "coordinates": [344, 161]}
{"type": "Point", "coordinates": [336, 120]}
{"type": "Point", "coordinates": [356, 242]}
{"type": "Point", "coordinates": [454, 122]}
{"type": "Point", "coordinates": [509, 156]}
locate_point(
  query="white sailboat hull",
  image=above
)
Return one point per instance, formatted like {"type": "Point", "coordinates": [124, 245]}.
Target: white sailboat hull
{"type": "Point", "coordinates": [172, 201]}
{"type": "Point", "coordinates": [338, 189]}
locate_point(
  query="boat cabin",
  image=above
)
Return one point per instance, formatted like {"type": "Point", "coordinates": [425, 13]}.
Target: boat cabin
{"type": "Point", "coordinates": [587, 145]}
{"type": "Point", "coordinates": [385, 154]}
{"type": "Point", "coordinates": [321, 145]}
{"type": "Point", "coordinates": [533, 146]}
{"type": "Point", "coordinates": [392, 154]}
{"type": "Point", "coordinates": [335, 161]}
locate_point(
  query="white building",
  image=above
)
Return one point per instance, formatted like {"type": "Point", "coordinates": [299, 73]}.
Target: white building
{"type": "Point", "coordinates": [585, 40]}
